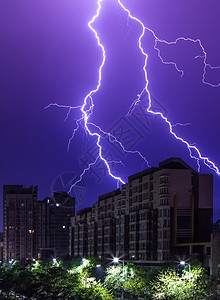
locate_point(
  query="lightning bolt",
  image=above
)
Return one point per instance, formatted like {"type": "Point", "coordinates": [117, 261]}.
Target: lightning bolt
{"type": "Point", "coordinates": [87, 107]}
{"type": "Point", "coordinates": [204, 56]}
{"type": "Point", "coordinates": [181, 124]}
{"type": "Point", "coordinates": [191, 148]}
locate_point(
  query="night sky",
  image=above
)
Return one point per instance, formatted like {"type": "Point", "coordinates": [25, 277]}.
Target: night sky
{"type": "Point", "coordinates": [49, 55]}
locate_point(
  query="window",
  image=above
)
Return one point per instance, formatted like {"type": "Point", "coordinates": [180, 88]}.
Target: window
{"type": "Point", "coordinates": [142, 246]}
{"type": "Point", "coordinates": [164, 190]}
{"type": "Point", "coordinates": [165, 234]}
{"type": "Point", "coordinates": [135, 189]}
{"type": "Point", "coordinates": [166, 223]}
{"type": "Point", "coordinates": [165, 244]}
{"type": "Point", "coordinates": [132, 246]}
{"type": "Point", "coordinates": [142, 216]}
{"type": "Point", "coordinates": [142, 226]}
{"type": "Point", "coordinates": [145, 186]}
{"type": "Point", "coordinates": [164, 201]}
{"type": "Point", "coordinates": [132, 218]}
{"type": "Point", "coordinates": [145, 196]}
{"type": "Point", "coordinates": [142, 256]}
{"type": "Point", "coordinates": [132, 237]}
{"type": "Point", "coordinates": [132, 227]}
{"type": "Point", "coordinates": [165, 212]}
{"type": "Point", "coordinates": [164, 179]}
{"type": "Point", "coordinates": [142, 236]}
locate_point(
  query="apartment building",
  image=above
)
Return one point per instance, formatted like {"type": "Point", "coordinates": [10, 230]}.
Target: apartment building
{"type": "Point", "coordinates": [54, 215]}
{"type": "Point", "coordinates": [35, 229]}
{"type": "Point", "coordinates": [19, 222]}
{"type": "Point", "coordinates": [159, 213]}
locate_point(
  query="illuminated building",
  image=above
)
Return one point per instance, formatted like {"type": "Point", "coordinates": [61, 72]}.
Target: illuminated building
{"type": "Point", "coordinates": [54, 223]}
{"type": "Point", "coordinates": [19, 222]}
{"type": "Point", "coordinates": [160, 213]}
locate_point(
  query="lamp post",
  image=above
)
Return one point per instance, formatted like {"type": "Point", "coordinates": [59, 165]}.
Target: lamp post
{"type": "Point", "coordinates": [54, 261]}
{"type": "Point", "coordinates": [85, 263]}
{"type": "Point", "coordinates": [183, 263]}
{"type": "Point", "coordinates": [116, 260]}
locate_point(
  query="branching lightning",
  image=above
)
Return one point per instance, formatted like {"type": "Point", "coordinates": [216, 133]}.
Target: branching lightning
{"type": "Point", "coordinates": [181, 124]}
{"type": "Point", "coordinates": [191, 148]}
{"type": "Point", "coordinates": [204, 56]}
{"type": "Point", "coordinates": [87, 107]}
{"type": "Point", "coordinates": [112, 139]}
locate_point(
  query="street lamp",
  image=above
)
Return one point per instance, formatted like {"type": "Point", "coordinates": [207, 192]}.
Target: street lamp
{"type": "Point", "coordinates": [116, 260]}
{"type": "Point", "coordinates": [85, 263]}
{"type": "Point", "coordinates": [54, 261]}
{"type": "Point", "coordinates": [183, 263]}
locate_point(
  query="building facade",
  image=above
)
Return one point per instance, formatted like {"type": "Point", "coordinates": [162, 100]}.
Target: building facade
{"type": "Point", "coordinates": [35, 229]}
{"type": "Point", "coordinates": [19, 222]}
{"type": "Point", "coordinates": [1, 247]}
{"type": "Point", "coordinates": [54, 215]}
{"type": "Point", "coordinates": [161, 212]}
{"type": "Point", "coordinates": [215, 250]}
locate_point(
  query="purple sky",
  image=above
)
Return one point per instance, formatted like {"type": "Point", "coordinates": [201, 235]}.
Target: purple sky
{"type": "Point", "coordinates": [48, 54]}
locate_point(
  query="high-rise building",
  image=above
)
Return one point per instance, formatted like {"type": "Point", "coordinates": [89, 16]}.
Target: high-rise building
{"type": "Point", "coordinates": [1, 247]}
{"type": "Point", "coordinates": [19, 222]}
{"type": "Point", "coordinates": [215, 251]}
{"type": "Point", "coordinates": [161, 212]}
{"type": "Point", "coordinates": [33, 228]}
{"type": "Point", "coordinates": [54, 222]}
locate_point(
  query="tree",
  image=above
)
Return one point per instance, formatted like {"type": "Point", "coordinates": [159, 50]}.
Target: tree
{"type": "Point", "coordinates": [138, 284]}
{"type": "Point", "coordinates": [114, 279]}
{"type": "Point", "coordinates": [193, 284]}
{"type": "Point", "coordinates": [117, 276]}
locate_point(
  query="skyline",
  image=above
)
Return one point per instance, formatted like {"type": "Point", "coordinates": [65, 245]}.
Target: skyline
{"type": "Point", "coordinates": [54, 49]}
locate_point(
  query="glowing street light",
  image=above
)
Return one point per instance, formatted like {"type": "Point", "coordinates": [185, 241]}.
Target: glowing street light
{"type": "Point", "coordinates": [85, 263]}
{"type": "Point", "coordinates": [183, 263]}
{"type": "Point", "coordinates": [54, 261]}
{"type": "Point", "coordinates": [116, 260]}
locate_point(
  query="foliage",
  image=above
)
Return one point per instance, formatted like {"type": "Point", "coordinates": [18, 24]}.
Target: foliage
{"type": "Point", "coordinates": [57, 281]}
{"type": "Point", "coordinates": [193, 284]}
{"type": "Point", "coordinates": [48, 281]}
{"type": "Point", "coordinates": [139, 283]}
{"type": "Point", "coordinates": [116, 277]}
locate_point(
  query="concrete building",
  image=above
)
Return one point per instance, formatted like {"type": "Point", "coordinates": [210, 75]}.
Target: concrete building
{"type": "Point", "coordinates": [19, 222]}
{"type": "Point", "coordinates": [215, 250]}
{"type": "Point", "coordinates": [160, 213]}
{"type": "Point", "coordinates": [32, 228]}
{"type": "Point", "coordinates": [1, 247]}
{"type": "Point", "coordinates": [54, 214]}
